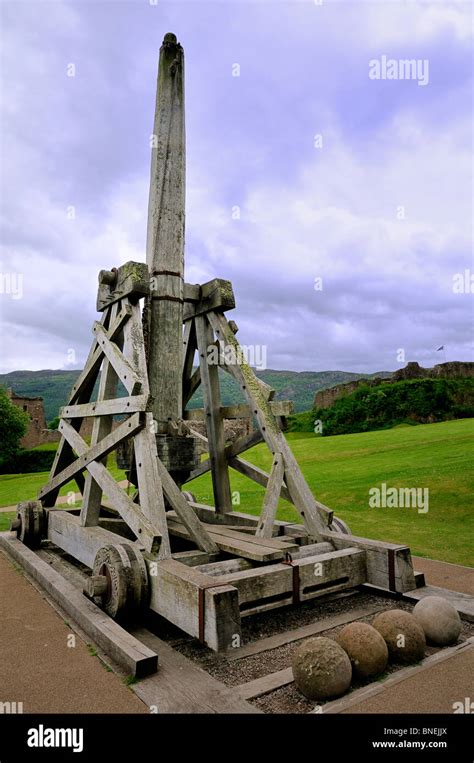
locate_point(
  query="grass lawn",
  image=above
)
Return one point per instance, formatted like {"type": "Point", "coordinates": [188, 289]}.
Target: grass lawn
{"type": "Point", "coordinates": [25, 487]}
{"type": "Point", "coordinates": [340, 471]}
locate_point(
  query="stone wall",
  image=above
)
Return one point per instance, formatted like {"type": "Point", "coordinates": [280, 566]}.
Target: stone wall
{"type": "Point", "coordinates": [37, 433]}
{"type": "Point", "coordinates": [451, 370]}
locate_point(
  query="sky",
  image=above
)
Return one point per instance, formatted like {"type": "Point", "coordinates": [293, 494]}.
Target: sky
{"type": "Point", "coordinates": [329, 183]}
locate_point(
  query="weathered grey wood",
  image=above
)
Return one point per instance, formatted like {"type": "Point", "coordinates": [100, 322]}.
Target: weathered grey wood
{"type": "Point", "coordinates": [138, 659]}
{"type": "Point", "coordinates": [182, 687]}
{"type": "Point", "coordinates": [128, 510]}
{"type": "Point", "coordinates": [232, 545]}
{"type": "Point", "coordinates": [224, 567]}
{"type": "Point", "coordinates": [194, 557]}
{"type": "Point", "coordinates": [165, 237]}
{"type": "Point", "coordinates": [192, 292]}
{"type": "Point", "coordinates": [191, 386]}
{"type": "Point", "coordinates": [305, 631]}
{"type": "Point", "coordinates": [175, 595]}
{"type": "Point", "coordinates": [256, 474]}
{"type": "Point", "coordinates": [197, 532]}
{"type": "Point", "coordinates": [266, 684]}
{"type": "Point", "coordinates": [105, 446]}
{"type": "Point", "coordinates": [272, 496]}
{"type": "Point", "coordinates": [84, 384]}
{"type": "Point", "coordinates": [214, 422]}
{"type": "Point", "coordinates": [126, 373]}
{"type": "Point", "coordinates": [101, 428]}
{"type": "Point", "coordinates": [189, 350]}
{"type": "Point", "coordinates": [215, 295]}
{"type": "Point", "coordinates": [150, 485]}
{"type": "Point", "coordinates": [130, 280]}
{"type": "Point", "coordinates": [272, 586]}
{"type": "Point", "coordinates": [463, 602]}
{"type": "Point", "coordinates": [82, 543]}
{"type": "Point", "coordinates": [144, 444]}
{"type": "Point", "coordinates": [231, 450]}
{"type": "Point", "coordinates": [312, 549]}
{"type": "Point", "coordinates": [199, 436]}
{"type": "Point", "coordinates": [240, 411]}
{"type": "Point", "coordinates": [281, 544]}
{"type": "Point", "coordinates": [316, 517]}
{"type": "Point", "coordinates": [117, 406]}
{"type": "Point", "coordinates": [378, 561]}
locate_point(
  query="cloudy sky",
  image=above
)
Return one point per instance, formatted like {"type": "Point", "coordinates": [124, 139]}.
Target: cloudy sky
{"type": "Point", "coordinates": [354, 194]}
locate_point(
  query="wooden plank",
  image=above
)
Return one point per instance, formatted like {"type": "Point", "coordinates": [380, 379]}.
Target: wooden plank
{"type": "Point", "coordinates": [101, 428]}
{"type": "Point", "coordinates": [105, 446]}
{"type": "Point", "coordinates": [128, 510]}
{"type": "Point", "coordinates": [183, 687]}
{"type": "Point", "coordinates": [215, 295]}
{"type": "Point", "coordinates": [82, 543]}
{"type": "Point", "coordinates": [196, 531]}
{"type": "Point", "coordinates": [230, 545]}
{"type": "Point", "coordinates": [276, 543]}
{"type": "Point", "coordinates": [231, 450]}
{"type": "Point", "coordinates": [175, 593]}
{"type": "Point", "coordinates": [123, 369]}
{"type": "Point", "coordinates": [272, 496]}
{"type": "Point", "coordinates": [305, 631]}
{"type": "Point", "coordinates": [316, 517]}
{"type": "Point", "coordinates": [130, 280]}
{"type": "Point", "coordinates": [380, 569]}
{"type": "Point", "coordinates": [318, 575]}
{"type": "Point", "coordinates": [240, 411]}
{"type": "Point", "coordinates": [266, 684]}
{"type": "Point", "coordinates": [461, 601]}
{"type": "Point", "coordinates": [84, 384]}
{"type": "Point", "coordinates": [117, 406]}
{"type": "Point", "coordinates": [138, 659]}
{"type": "Point", "coordinates": [214, 422]}
{"type": "Point", "coordinates": [256, 475]}
{"type": "Point", "coordinates": [150, 486]}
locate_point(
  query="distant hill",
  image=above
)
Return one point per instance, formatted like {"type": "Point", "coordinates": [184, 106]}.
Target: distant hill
{"type": "Point", "coordinates": [299, 386]}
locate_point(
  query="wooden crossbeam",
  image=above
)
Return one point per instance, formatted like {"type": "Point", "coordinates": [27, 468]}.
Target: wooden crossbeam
{"type": "Point", "coordinates": [92, 366]}
{"type": "Point", "coordinates": [214, 420]}
{"type": "Point", "coordinates": [185, 512]}
{"type": "Point", "coordinates": [123, 369]}
{"type": "Point", "coordinates": [101, 428]}
{"type": "Point", "coordinates": [101, 449]}
{"type": "Point", "coordinates": [117, 406]}
{"type": "Point", "coordinates": [316, 519]}
{"type": "Point", "coordinates": [239, 446]}
{"type": "Point", "coordinates": [270, 503]}
{"type": "Point", "coordinates": [128, 510]}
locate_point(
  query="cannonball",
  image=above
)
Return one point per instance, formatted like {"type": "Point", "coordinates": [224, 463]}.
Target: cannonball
{"type": "Point", "coordinates": [321, 668]}
{"type": "Point", "coordinates": [365, 648]}
{"type": "Point", "coordinates": [439, 619]}
{"type": "Point", "coordinates": [404, 636]}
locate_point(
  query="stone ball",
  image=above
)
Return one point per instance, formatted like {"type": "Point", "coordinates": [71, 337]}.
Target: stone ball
{"type": "Point", "coordinates": [439, 619]}
{"type": "Point", "coordinates": [365, 648]}
{"type": "Point", "coordinates": [404, 636]}
{"type": "Point", "coordinates": [321, 668]}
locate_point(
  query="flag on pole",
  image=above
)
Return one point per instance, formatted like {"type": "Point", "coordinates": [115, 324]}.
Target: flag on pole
{"type": "Point", "coordinates": [440, 348]}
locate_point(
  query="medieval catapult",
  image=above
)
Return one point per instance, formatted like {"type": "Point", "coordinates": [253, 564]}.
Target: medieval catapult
{"type": "Point", "coordinates": [201, 567]}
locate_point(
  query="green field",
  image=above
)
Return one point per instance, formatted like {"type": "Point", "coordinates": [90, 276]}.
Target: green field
{"type": "Point", "coordinates": [341, 470]}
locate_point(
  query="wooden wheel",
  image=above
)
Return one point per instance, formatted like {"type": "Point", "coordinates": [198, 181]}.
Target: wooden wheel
{"type": "Point", "coordinates": [339, 526]}
{"type": "Point", "coordinates": [30, 523]}
{"type": "Point", "coordinates": [119, 582]}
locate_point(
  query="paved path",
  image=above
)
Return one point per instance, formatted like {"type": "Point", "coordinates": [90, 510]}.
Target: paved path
{"type": "Point", "coordinates": [433, 690]}
{"type": "Point", "coordinates": [38, 668]}
{"type": "Point", "coordinates": [452, 576]}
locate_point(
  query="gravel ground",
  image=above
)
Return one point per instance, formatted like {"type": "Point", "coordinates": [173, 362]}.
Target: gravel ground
{"type": "Point", "coordinates": [288, 699]}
